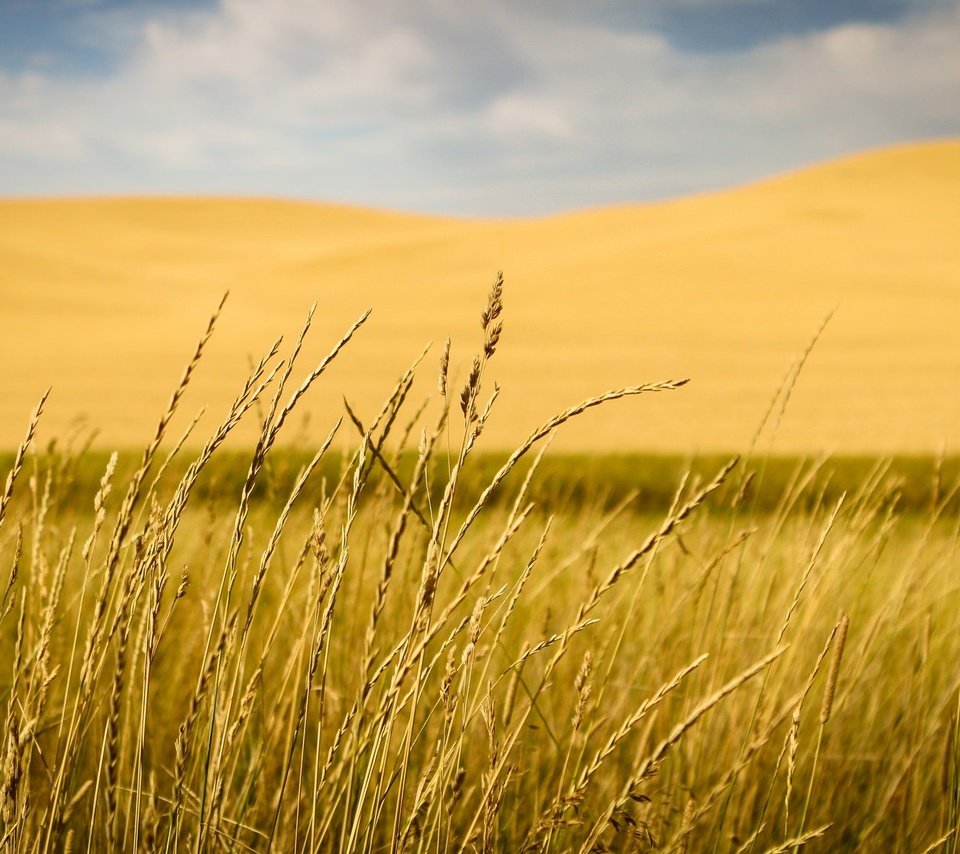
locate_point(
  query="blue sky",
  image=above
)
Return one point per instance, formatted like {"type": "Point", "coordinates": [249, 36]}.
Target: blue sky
{"type": "Point", "coordinates": [494, 108]}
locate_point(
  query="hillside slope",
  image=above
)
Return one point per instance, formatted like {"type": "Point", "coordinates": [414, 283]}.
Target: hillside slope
{"type": "Point", "coordinates": [104, 299]}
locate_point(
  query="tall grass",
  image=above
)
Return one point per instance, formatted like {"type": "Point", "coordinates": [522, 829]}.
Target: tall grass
{"type": "Point", "coordinates": [411, 651]}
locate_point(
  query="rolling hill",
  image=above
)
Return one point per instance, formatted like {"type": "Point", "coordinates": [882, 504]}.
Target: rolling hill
{"type": "Point", "coordinates": [104, 299]}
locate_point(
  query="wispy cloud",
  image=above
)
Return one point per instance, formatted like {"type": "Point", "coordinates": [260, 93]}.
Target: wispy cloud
{"type": "Point", "coordinates": [420, 104]}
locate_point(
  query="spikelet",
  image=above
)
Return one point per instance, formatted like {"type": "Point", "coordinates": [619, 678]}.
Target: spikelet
{"type": "Point", "coordinates": [468, 397]}
{"type": "Point", "coordinates": [492, 327]}
{"type": "Point", "coordinates": [444, 368]}
{"type": "Point", "coordinates": [686, 826]}
{"type": "Point", "coordinates": [20, 456]}
{"type": "Point", "coordinates": [582, 686]}
{"type": "Point", "coordinates": [834, 672]}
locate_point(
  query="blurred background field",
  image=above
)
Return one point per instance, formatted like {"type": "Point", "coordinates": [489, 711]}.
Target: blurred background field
{"type": "Point", "coordinates": [567, 482]}
{"type": "Point", "coordinates": [103, 297]}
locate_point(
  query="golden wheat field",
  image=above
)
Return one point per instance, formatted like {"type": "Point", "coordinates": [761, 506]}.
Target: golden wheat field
{"type": "Point", "coordinates": [358, 606]}
{"type": "Point", "coordinates": [403, 652]}
{"type": "Point", "coordinates": [101, 297]}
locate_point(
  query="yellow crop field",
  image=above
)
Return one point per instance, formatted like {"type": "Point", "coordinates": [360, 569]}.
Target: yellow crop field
{"type": "Point", "coordinates": [399, 650]}
{"type": "Point", "coordinates": [102, 298]}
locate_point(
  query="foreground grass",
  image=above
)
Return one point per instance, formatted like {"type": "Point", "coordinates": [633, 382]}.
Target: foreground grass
{"type": "Point", "coordinates": [384, 655]}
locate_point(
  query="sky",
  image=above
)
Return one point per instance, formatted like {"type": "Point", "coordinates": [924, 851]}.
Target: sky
{"type": "Point", "coordinates": [494, 108]}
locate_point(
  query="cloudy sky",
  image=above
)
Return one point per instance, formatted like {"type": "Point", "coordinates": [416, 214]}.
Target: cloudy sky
{"type": "Point", "coordinates": [501, 107]}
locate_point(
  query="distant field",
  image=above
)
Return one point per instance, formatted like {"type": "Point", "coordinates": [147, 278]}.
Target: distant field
{"type": "Point", "coordinates": [103, 299]}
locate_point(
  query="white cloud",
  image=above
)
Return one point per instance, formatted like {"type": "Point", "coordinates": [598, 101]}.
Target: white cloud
{"type": "Point", "coordinates": [418, 104]}
{"type": "Point", "coordinates": [519, 116]}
